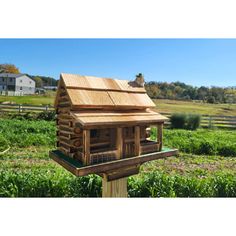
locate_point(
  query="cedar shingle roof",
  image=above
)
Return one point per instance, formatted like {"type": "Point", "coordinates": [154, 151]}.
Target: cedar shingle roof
{"type": "Point", "coordinates": [95, 92]}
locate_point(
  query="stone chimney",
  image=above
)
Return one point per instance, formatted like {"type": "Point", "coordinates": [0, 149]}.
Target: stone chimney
{"type": "Point", "coordinates": [140, 80]}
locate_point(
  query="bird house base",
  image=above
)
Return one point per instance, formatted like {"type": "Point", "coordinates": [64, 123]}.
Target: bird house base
{"type": "Point", "coordinates": [113, 169]}
{"type": "Point", "coordinates": [114, 173]}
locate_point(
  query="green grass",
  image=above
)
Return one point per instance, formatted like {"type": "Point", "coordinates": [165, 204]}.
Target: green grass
{"type": "Point", "coordinates": [47, 99]}
{"type": "Point", "coordinates": [174, 106]}
{"type": "Point", "coordinates": [27, 171]}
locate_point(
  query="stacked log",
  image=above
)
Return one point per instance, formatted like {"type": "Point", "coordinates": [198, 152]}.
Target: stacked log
{"type": "Point", "coordinates": [69, 137]}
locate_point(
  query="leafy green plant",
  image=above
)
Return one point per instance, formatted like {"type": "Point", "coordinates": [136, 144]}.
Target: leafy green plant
{"type": "Point", "coordinates": [24, 133]}
{"type": "Point", "coordinates": [202, 141]}
{"type": "Point", "coordinates": [160, 184]}
{"type": "Point", "coordinates": [3, 144]}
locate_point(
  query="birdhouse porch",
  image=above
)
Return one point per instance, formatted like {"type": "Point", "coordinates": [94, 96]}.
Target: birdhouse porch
{"type": "Point", "coordinates": [98, 145]}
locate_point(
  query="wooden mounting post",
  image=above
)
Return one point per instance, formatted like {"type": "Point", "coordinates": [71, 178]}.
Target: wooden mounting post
{"type": "Point", "coordinates": [114, 188]}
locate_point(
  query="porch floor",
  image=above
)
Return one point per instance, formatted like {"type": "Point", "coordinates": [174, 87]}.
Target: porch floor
{"type": "Point", "coordinates": [78, 169]}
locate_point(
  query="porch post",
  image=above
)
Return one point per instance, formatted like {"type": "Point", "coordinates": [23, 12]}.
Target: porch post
{"type": "Point", "coordinates": [160, 135]}
{"type": "Point", "coordinates": [86, 146]}
{"type": "Point", "coordinates": [137, 141]}
{"type": "Point", "coordinates": [119, 143]}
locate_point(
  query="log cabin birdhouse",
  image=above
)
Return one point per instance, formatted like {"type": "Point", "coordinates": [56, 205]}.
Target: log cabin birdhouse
{"type": "Point", "coordinates": [104, 126]}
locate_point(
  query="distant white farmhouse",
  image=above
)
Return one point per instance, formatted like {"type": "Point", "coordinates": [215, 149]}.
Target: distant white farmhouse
{"type": "Point", "coordinates": [16, 84]}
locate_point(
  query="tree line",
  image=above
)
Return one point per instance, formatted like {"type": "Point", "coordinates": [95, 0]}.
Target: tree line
{"type": "Point", "coordinates": [41, 81]}
{"type": "Point", "coordinates": [182, 91]}
{"type": "Point", "coordinates": [161, 90]}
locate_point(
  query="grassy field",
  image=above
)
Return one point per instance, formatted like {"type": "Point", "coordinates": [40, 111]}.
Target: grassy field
{"type": "Point", "coordinates": [27, 171]}
{"type": "Point", "coordinates": [46, 99]}
{"type": "Point", "coordinates": [172, 106]}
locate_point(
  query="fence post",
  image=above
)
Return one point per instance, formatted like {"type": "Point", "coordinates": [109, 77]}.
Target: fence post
{"type": "Point", "coordinates": [21, 108]}
{"type": "Point", "coordinates": [46, 107]}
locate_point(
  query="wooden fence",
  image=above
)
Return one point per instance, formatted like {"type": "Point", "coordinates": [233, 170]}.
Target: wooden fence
{"type": "Point", "coordinates": [207, 121]}
{"type": "Point", "coordinates": [24, 108]}
{"type": "Point", "coordinates": [211, 121]}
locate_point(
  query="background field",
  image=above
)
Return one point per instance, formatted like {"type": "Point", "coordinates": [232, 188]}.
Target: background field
{"type": "Point", "coordinates": [172, 106]}
{"type": "Point", "coordinates": [46, 99]}
{"type": "Point", "coordinates": [163, 105]}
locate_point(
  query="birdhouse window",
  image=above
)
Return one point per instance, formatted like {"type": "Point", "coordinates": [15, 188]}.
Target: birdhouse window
{"type": "Point", "coordinates": [94, 133]}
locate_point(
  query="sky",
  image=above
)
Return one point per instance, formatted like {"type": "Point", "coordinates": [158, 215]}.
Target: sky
{"type": "Point", "coordinates": [198, 62]}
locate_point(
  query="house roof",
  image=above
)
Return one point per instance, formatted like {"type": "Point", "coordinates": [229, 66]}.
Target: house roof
{"type": "Point", "coordinates": [11, 75]}
{"type": "Point", "coordinates": [95, 92]}
{"type": "Point", "coordinates": [93, 119]}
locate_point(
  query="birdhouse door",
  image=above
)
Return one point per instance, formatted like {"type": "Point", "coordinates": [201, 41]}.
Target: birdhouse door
{"type": "Point", "coordinates": [128, 142]}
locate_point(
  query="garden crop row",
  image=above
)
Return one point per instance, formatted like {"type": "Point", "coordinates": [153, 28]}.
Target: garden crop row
{"type": "Point", "coordinates": [48, 180]}
{"type": "Point", "coordinates": [202, 141]}
{"type": "Point", "coordinates": [25, 133]}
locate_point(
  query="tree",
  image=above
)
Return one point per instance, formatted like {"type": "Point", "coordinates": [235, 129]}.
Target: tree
{"type": "Point", "coordinates": [9, 68]}
{"type": "Point", "coordinates": [38, 82]}
{"type": "Point", "coordinates": [211, 99]}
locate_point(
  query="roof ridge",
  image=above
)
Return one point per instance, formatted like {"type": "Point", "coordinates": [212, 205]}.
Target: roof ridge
{"type": "Point", "coordinates": [99, 83]}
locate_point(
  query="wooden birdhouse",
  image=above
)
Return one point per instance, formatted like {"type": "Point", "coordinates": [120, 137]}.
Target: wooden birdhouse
{"type": "Point", "coordinates": [104, 127]}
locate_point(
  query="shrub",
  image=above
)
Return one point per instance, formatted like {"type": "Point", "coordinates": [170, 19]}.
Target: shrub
{"type": "Point", "coordinates": [47, 115]}
{"type": "Point", "coordinates": [23, 116]}
{"type": "Point", "coordinates": [185, 121]}
{"type": "Point", "coordinates": [178, 120]}
{"type": "Point", "coordinates": [193, 121]}
{"type": "Point", "coordinates": [227, 150]}
{"type": "Point", "coordinates": [211, 100]}
{"type": "Point", "coordinates": [206, 148]}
